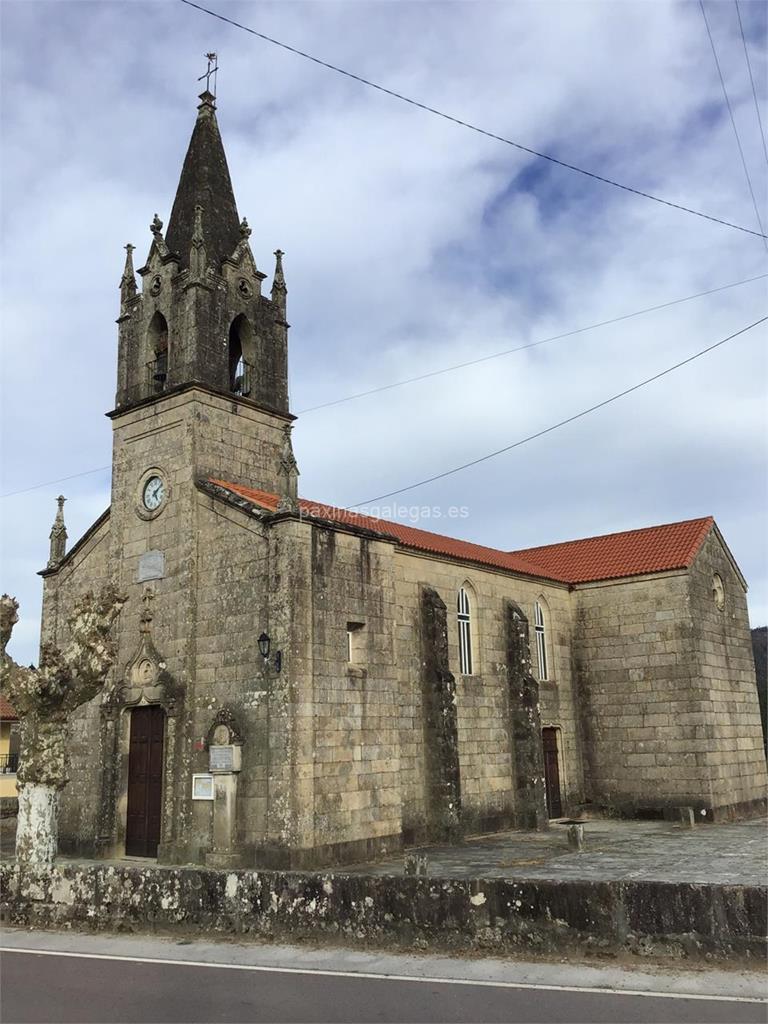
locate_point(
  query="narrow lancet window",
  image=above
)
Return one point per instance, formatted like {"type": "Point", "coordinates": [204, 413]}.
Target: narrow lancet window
{"type": "Point", "coordinates": [464, 611]}
{"type": "Point", "coordinates": [540, 627]}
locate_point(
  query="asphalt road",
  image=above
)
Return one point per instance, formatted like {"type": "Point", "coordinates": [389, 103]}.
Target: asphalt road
{"type": "Point", "coordinates": [52, 986]}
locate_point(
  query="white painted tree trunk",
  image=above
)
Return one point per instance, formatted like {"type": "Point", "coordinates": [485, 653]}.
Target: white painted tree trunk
{"type": "Point", "coordinates": [37, 829]}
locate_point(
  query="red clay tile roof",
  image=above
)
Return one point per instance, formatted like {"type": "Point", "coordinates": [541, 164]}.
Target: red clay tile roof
{"type": "Point", "coordinates": [408, 536]}
{"type": "Point", "coordinates": [7, 714]}
{"type": "Point", "coordinates": [631, 553]}
{"type": "Point", "coordinates": [635, 552]}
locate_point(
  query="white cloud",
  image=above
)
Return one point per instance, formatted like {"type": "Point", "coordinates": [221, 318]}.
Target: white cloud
{"type": "Point", "coordinates": [411, 244]}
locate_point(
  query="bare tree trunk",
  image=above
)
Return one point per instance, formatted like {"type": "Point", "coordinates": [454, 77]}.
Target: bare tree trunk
{"type": "Point", "coordinates": [37, 828]}
{"type": "Point", "coordinates": [44, 698]}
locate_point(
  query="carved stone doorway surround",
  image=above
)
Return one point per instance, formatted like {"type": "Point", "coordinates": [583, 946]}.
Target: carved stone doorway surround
{"type": "Point", "coordinates": [145, 681]}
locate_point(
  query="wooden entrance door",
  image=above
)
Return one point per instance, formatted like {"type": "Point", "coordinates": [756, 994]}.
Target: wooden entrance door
{"type": "Point", "coordinates": [552, 773]}
{"type": "Point", "coordinates": [145, 781]}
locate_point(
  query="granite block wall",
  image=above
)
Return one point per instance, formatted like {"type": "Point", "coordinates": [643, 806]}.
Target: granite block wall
{"type": "Point", "coordinates": [666, 688]}
{"type": "Point", "coordinates": [486, 755]}
{"type": "Point", "coordinates": [728, 741]}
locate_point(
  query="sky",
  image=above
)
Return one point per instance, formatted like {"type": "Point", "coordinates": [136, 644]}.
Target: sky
{"type": "Point", "coordinates": [411, 244]}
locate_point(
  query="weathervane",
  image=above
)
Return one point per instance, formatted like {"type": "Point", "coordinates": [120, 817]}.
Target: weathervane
{"type": "Point", "coordinates": [213, 67]}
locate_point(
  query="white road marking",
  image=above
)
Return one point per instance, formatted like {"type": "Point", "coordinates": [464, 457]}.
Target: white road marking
{"type": "Point", "coordinates": [382, 977]}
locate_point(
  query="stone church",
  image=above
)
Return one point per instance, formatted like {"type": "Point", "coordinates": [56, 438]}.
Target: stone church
{"type": "Point", "coordinates": [299, 685]}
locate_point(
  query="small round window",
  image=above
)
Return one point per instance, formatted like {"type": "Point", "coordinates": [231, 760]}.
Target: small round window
{"type": "Point", "coordinates": [718, 591]}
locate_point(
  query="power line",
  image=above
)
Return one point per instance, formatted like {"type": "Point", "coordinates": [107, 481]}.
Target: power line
{"type": "Point", "coordinates": [59, 480]}
{"type": "Point", "coordinates": [733, 124]}
{"type": "Point", "coordinates": [521, 348]}
{"type": "Point", "coordinates": [473, 127]}
{"type": "Point", "coordinates": [561, 423]}
{"type": "Point", "coordinates": [449, 369]}
{"type": "Point", "coordinates": [752, 80]}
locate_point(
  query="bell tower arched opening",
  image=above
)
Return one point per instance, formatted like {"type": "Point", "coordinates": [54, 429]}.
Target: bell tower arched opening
{"type": "Point", "coordinates": [157, 345]}
{"type": "Point", "coordinates": [241, 356]}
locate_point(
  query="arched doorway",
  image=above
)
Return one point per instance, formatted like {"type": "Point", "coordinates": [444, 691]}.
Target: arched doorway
{"type": "Point", "coordinates": [145, 781]}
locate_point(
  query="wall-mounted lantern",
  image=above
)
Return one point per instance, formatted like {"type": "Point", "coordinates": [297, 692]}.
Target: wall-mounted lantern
{"type": "Point", "coordinates": [265, 644]}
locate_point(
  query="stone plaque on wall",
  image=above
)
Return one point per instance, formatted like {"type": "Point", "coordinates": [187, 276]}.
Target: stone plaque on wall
{"type": "Point", "coordinates": [151, 566]}
{"type": "Point", "coordinates": [202, 787]}
{"type": "Point", "coordinates": [224, 758]}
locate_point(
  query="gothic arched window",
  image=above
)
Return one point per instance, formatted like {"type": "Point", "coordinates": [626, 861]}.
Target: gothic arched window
{"type": "Point", "coordinates": [540, 628]}
{"type": "Point", "coordinates": [464, 616]}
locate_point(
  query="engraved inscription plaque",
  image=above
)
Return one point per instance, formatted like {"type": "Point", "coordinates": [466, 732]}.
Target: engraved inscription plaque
{"type": "Point", "coordinates": [151, 566]}
{"type": "Point", "coordinates": [222, 758]}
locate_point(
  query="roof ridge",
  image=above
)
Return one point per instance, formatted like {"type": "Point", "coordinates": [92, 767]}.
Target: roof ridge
{"type": "Point", "coordinates": [709, 520]}
{"type": "Point", "coordinates": [397, 530]}
{"type": "Point", "coordinates": [668, 546]}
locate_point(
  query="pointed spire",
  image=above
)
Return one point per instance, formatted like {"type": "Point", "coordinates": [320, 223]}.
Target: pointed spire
{"type": "Point", "coordinates": [58, 535]}
{"type": "Point", "coordinates": [279, 291]}
{"type": "Point", "coordinates": [289, 496]}
{"type": "Point", "coordinates": [128, 280]}
{"type": "Point", "coordinates": [205, 182]}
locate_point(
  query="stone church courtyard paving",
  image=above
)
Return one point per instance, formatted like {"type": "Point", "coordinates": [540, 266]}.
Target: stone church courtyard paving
{"type": "Point", "coordinates": [638, 888]}
{"type": "Point", "coordinates": [733, 853]}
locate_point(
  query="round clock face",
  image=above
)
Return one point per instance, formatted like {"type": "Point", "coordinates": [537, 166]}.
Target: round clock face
{"type": "Point", "coordinates": [154, 492]}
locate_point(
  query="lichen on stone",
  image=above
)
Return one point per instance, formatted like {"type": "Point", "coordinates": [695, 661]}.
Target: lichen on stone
{"type": "Point", "coordinates": [44, 699]}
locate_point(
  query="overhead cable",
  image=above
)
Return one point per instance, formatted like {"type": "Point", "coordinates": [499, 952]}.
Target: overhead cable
{"type": "Point", "coordinates": [473, 127]}
{"type": "Point", "coordinates": [561, 423]}
{"type": "Point", "coordinates": [522, 348]}
{"type": "Point", "coordinates": [733, 125]}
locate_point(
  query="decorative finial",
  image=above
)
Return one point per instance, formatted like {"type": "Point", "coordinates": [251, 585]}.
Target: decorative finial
{"type": "Point", "coordinates": [289, 497]}
{"type": "Point", "coordinates": [279, 291]}
{"type": "Point", "coordinates": [213, 67]}
{"type": "Point", "coordinates": [156, 227]}
{"type": "Point", "coordinates": [58, 535]}
{"type": "Point", "coordinates": [279, 279]}
{"type": "Point", "coordinates": [128, 280]}
{"type": "Point", "coordinates": [245, 231]}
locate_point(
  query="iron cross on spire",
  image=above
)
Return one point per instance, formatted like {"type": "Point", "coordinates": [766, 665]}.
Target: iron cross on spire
{"type": "Point", "coordinates": [213, 67]}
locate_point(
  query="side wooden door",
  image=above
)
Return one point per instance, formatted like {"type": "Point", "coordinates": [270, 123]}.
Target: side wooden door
{"type": "Point", "coordinates": [145, 781]}
{"type": "Point", "coordinates": [552, 773]}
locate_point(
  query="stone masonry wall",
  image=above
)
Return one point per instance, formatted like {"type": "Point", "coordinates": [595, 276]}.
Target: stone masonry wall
{"type": "Point", "coordinates": [667, 689]}
{"type": "Point", "coordinates": [89, 569]}
{"type": "Point", "coordinates": [357, 793]}
{"type": "Point", "coordinates": [499, 914]}
{"type": "Point", "coordinates": [231, 613]}
{"type": "Point", "coordinates": [485, 745]}
{"type": "Point", "coordinates": [728, 740]}
{"type": "Point", "coordinates": [229, 438]}
{"type": "Point", "coordinates": [638, 693]}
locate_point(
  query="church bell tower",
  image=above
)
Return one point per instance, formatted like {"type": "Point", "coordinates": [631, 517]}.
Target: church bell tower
{"type": "Point", "coordinates": [199, 317]}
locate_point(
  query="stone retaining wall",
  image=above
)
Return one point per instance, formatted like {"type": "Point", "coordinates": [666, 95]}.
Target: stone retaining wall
{"type": "Point", "coordinates": [440, 914]}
